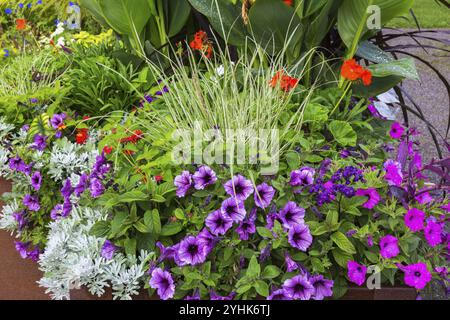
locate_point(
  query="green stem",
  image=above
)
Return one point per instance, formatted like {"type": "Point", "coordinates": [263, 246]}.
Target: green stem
{"type": "Point", "coordinates": [349, 85]}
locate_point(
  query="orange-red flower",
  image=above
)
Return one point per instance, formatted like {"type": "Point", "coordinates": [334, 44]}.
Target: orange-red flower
{"type": "Point", "coordinates": [134, 138]}
{"type": "Point", "coordinates": [21, 24]}
{"type": "Point", "coordinates": [107, 149]}
{"type": "Point", "coordinates": [201, 43]}
{"type": "Point", "coordinates": [285, 82]}
{"type": "Point", "coordinates": [288, 2]}
{"type": "Point", "coordinates": [352, 71]}
{"type": "Point", "coordinates": [82, 136]}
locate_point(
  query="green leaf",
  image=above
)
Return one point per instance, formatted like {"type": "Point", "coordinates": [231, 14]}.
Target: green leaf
{"type": "Point", "coordinates": [100, 229]}
{"type": "Point", "coordinates": [171, 229]}
{"type": "Point", "coordinates": [118, 223]}
{"type": "Point", "coordinates": [262, 288]}
{"type": "Point", "coordinates": [153, 222]}
{"type": "Point", "coordinates": [341, 257]}
{"type": "Point", "coordinates": [343, 133]}
{"type": "Point", "coordinates": [264, 232]}
{"type": "Point", "coordinates": [373, 53]}
{"type": "Point", "coordinates": [343, 242]}
{"type": "Point", "coordinates": [179, 12]}
{"type": "Point", "coordinates": [340, 287]}
{"type": "Point", "coordinates": [405, 68]}
{"type": "Point", "coordinates": [271, 272]}
{"type": "Point", "coordinates": [130, 246]}
{"type": "Point", "coordinates": [254, 269]}
{"type": "Point", "coordinates": [315, 112]}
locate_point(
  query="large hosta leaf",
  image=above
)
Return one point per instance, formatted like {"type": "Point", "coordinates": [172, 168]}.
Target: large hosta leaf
{"type": "Point", "coordinates": [179, 12]}
{"type": "Point", "coordinates": [368, 50]}
{"type": "Point", "coordinates": [353, 15]}
{"type": "Point", "coordinates": [405, 68]}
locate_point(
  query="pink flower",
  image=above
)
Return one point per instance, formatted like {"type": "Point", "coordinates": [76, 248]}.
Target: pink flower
{"type": "Point", "coordinates": [394, 175]}
{"type": "Point", "coordinates": [389, 247]}
{"type": "Point", "coordinates": [433, 232]}
{"type": "Point", "coordinates": [414, 219]}
{"type": "Point", "coordinates": [356, 272]}
{"type": "Point", "coordinates": [397, 130]}
{"type": "Point", "coordinates": [373, 198]}
{"type": "Point", "coordinates": [417, 275]}
{"type": "Point", "coordinates": [423, 197]}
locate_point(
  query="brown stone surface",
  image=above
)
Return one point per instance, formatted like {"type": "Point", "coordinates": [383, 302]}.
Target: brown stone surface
{"type": "Point", "coordinates": [394, 293]}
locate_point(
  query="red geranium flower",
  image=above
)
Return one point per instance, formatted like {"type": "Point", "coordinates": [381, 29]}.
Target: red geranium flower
{"type": "Point", "coordinates": [82, 136]}
{"type": "Point", "coordinates": [107, 149]}
{"type": "Point", "coordinates": [285, 82]}
{"type": "Point", "coordinates": [352, 71]}
{"type": "Point", "coordinates": [201, 43]}
{"type": "Point", "coordinates": [21, 24]}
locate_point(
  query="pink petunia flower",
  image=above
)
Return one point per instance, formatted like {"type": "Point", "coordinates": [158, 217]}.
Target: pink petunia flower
{"type": "Point", "coordinates": [414, 219]}
{"type": "Point", "coordinates": [397, 130]}
{"type": "Point", "coordinates": [373, 198]}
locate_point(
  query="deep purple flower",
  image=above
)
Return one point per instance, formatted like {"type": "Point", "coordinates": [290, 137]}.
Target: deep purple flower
{"type": "Point", "coordinates": [292, 215]}
{"type": "Point", "coordinates": [356, 272]}
{"type": "Point", "coordinates": [192, 251]}
{"type": "Point", "coordinates": [264, 195]}
{"type": "Point", "coordinates": [279, 294]}
{"type": "Point", "coordinates": [57, 121]}
{"type": "Point", "coordinates": [414, 219]}
{"type": "Point", "coordinates": [247, 226]}
{"type": "Point", "coordinates": [239, 188]}
{"type": "Point", "coordinates": [291, 265]}
{"type": "Point", "coordinates": [96, 188]}
{"type": "Point", "coordinates": [324, 167]}
{"type": "Point", "coordinates": [389, 247]}
{"type": "Point", "coordinates": [67, 190]}
{"type": "Point", "coordinates": [22, 249]}
{"type": "Point", "coordinates": [300, 237]}
{"type": "Point", "coordinates": [183, 183]}
{"type": "Point", "coordinates": [21, 219]}
{"type": "Point", "coordinates": [17, 164]}
{"type": "Point", "coordinates": [394, 175]}
{"type": "Point", "coordinates": [298, 288]}
{"type": "Point", "coordinates": [397, 130]}
{"type": "Point", "coordinates": [82, 185]}
{"type": "Point", "coordinates": [67, 208]}
{"type": "Point", "coordinates": [322, 287]}
{"type": "Point", "coordinates": [233, 209]}
{"type": "Point", "coordinates": [373, 198]}
{"type": "Point", "coordinates": [195, 296]}
{"type": "Point", "coordinates": [433, 233]}
{"type": "Point", "coordinates": [36, 180]}
{"type": "Point", "coordinates": [204, 177]}
{"type": "Point", "coordinates": [214, 296]}
{"type": "Point", "coordinates": [218, 223]}
{"type": "Point", "coordinates": [57, 212]}
{"type": "Point", "coordinates": [40, 142]}
{"type": "Point", "coordinates": [370, 241]}
{"type": "Point", "coordinates": [417, 275]}
{"type": "Point", "coordinates": [108, 250]}
{"type": "Point", "coordinates": [32, 202]}
{"type": "Point", "coordinates": [34, 254]}
{"type": "Point", "coordinates": [163, 283]}
{"type": "Point", "coordinates": [101, 167]}
{"type": "Point", "coordinates": [302, 177]}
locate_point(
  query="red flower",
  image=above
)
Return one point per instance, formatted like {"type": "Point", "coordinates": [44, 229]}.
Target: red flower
{"type": "Point", "coordinates": [134, 138]}
{"type": "Point", "coordinates": [21, 24]}
{"type": "Point", "coordinates": [201, 43]}
{"type": "Point", "coordinates": [352, 71]}
{"type": "Point", "coordinates": [85, 118]}
{"type": "Point", "coordinates": [285, 82]}
{"type": "Point", "coordinates": [288, 2]}
{"type": "Point", "coordinates": [82, 136]}
{"type": "Point", "coordinates": [158, 178]}
{"type": "Point", "coordinates": [107, 149]}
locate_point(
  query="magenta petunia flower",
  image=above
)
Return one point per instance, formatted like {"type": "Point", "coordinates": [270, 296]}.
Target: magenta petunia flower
{"type": "Point", "coordinates": [233, 209]}
{"type": "Point", "coordinates": [192, 251]}
{"type": "Point", "coordinates": [108, 250]}
{"type": "Point", "coordinates": [163, 282]}
{"type": "Point", "coordinates": [356, 272]}
{"type": "Point", "coordinates": [414, 219]}
{"type": "Point", "coordinates": [300, 237]}
{"type": "Point", "coordinates": [264, 195]}
{"type": "Point", "coordinates": [302, 177]}
{"type": "Point", "coordinates": [218, 223]}
{"type": "Point", "coordinates": [417, 275]}
{"type": "Point", "coordinates": [239, 187]}
{"type": "Point", "coordinates": [204, 177]}
{"type": "Point", "coordinates": [183, 183]}
{"type": "Point", "coordinates": [373, 198]}
{"type": "Point", "coordinates": [322, 287]}
{"type": "Point", "coordinates": [36, 180]}
{"type": "Point", "coordinates": [397, 130]}
{"type": "Point", "coordinates": [389, 247]}
{"type": "Point", "coordinates": [394, 175]}
{"type": "Point", "coordinates": [298, 288]}
{"type": "Point", "coordinates": [423, 197]}
{"type": "Point", "coordinates": [292, 215]}
{"type": "Point", "coordinates": [433, 233]}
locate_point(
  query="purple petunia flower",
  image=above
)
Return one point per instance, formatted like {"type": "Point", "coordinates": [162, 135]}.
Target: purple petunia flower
{"type": "Point", "coordinates": [356, 272]}
{"type": "Point", "coordinates": [67, 190]}
{"type": "Point", "coordinates": [292, 215]}
{"type": "Point", "coordinates": [82, 185]}
{"type": "Point", "coordinates": [239, 188]}
{"type": "Point", "coordinates": [322, 287]}
{"type": "Point", "coordinates": [218, 223]}
{"type": "Point", "coordinates": [417, 275]}
{"type": "Point", "coordinates": [96, 188]}
{"type": "Point", "coordinates": [183, 183]}
{"type": "Point", "coordinates": [389, 247]}
{"type": "Point", "coordinates": [192, 251]}
{"type": "Point", "coordinates": [300, 237]}
{"type": "Point", "coordinates": [302, 177]}
{"type": "Point", "coordinates": [214, 296]}
{"type": "Point", "coordinates": [264, 195]}
{"type": "Point", "coordinates": [394, 175]}
{"type": "Point", "coordinates": [36, 180]}
{"type": "Point", "coordinates": [423, 197]}
{"type": "Point", "coordinates": [22, 248]}
{"type": "Point", "coordinates": [433, 233]}
{"type": "Point", "coordinates": [57, 212]}
{"type": "Point", "coordinates": [20, 218]}
{"type": "Point", "coordinates": [163, 283]}
{"type": "Point", "coordinates": [32, 202]}
{"type": "Point", "coordinates": [207, 239]}
{"type": "Point", "coordinates": [195, 296]}
{"type": "Point", "coordinates": [17, 164]}
{"type": "Point", "coordinates": [414, 219]}
{"type": "Point", "coordinates": [279, 294]}
{"type": "Point", "coordinates": [298, 288]}
{"type": "Point", "coordinates": [397, 130]}
{"type": "Point", "coordinates": [67, 208]}
{"type": "Point", "coordinates": [370, 241]}
{"type": "Point", "coordinates": [373, 198]}
{"type": "Point", "coordinates": [233, 209]}
{"type": "Point", "coordinates": [100, 167]}
{"type": "Point", "coordinates": [34, 254]}
{"type": "Point", "coordinates": [204, 177]}
{"type": "Point", "coordinates": [57, 121]}
{"type": "Point", "coordinates": [291, 265]}
{"type": "Point", "coordinates": [108, 250]}
{"type": "Point", "coordinates": [40, 142]}
{"type": "Point", "coordinates": [247, 227]}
